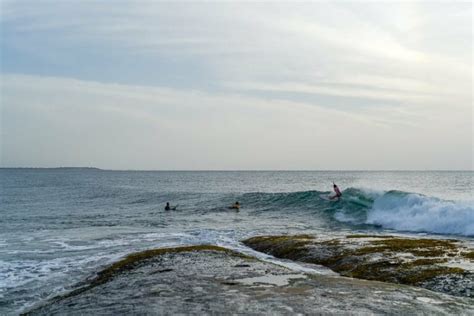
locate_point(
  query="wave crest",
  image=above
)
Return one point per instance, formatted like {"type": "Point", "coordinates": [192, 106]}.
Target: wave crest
{"type": "Point", "coordinates": [396, 210]}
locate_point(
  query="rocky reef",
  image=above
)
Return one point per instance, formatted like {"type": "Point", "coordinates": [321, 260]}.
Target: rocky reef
{"type": "Point", "coordinates": [214, 280]}
{"type": "Point", "coordinates": [436, 264]}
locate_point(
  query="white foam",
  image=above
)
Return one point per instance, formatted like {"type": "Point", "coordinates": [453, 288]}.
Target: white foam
{"type": "Point", "coordinates": [418, 213]}
{"type": "Point", "coordinates": [345, 217]}
{"type": "Point", "coordinates": [428, 300]}
{"type": "Point", "coordinates": [272, 279]}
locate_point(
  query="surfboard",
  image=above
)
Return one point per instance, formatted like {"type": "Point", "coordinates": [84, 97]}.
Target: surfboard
{"type": "Point", "coordinates": [327, 198]}
{"type": "Point", "coordinates": [324, 197]}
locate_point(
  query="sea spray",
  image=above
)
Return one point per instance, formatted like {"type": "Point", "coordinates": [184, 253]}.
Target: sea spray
{"type": "Point", "coordinates": [418, 213]}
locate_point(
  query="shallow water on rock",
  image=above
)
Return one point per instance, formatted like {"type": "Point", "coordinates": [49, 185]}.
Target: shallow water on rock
{"type": "Point", "coordinates": [208, 282]}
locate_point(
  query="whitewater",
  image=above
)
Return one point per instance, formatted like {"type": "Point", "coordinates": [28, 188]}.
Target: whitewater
{"type": "Point", "coordinates": [60, 226]}
{"type": "Point", "coordinates": [407, 212]}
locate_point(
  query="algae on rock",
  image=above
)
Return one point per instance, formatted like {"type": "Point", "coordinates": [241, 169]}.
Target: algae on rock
{"type": "Point", "coordinates": [411, 261]}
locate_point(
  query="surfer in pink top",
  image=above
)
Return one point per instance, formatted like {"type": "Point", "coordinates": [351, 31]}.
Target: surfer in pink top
{"type": "Point", "coordinates": [337, 191]}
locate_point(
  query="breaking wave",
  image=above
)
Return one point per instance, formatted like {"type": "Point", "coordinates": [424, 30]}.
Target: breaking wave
{"type": "Point", "coordinates": [396, 210]}
{"type": "Point", "coordinates": [415, 212]}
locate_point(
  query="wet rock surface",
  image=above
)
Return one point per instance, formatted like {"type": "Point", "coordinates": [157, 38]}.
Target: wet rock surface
{"type": "Point", "coordinates": [213, 280]}
{"type": "Point", "coordinates": [438, 265]}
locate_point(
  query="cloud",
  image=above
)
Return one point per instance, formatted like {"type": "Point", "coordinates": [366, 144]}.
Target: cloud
{"type": "Point", "coordinates": [51, 121]}
{"type": "Point", "coordinates": [392, 77]}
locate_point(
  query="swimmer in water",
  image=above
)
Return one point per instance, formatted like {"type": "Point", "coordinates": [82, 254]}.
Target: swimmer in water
{"type": "Point", "coordinates": [235, 206]}
{"type": "Point", "coordinates": [170, 208]}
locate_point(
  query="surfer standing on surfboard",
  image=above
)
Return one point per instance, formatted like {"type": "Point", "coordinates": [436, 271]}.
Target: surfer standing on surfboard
{"type": "Point", "coordinates": [337, 191]}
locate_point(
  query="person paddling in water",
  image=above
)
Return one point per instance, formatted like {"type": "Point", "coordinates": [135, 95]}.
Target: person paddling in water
{"type": "Point", "coordinates": [170, 208]}
{"type": "Point", "coordinates": [337, 191]}
{"type": "Point", "coordinates": [235, 206]}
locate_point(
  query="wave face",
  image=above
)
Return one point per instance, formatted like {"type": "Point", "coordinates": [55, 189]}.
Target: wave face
{"type": "Point", "coordinates": [396, 210]}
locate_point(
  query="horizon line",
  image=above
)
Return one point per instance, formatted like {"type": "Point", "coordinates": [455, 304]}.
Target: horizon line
{"type": "Point", "coordinates": [247, 170]}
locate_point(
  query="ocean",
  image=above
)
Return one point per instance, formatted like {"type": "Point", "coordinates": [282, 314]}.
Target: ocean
{"type": "Point", "coordinates": [60, 226]}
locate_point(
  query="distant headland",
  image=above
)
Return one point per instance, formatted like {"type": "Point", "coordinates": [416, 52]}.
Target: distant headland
{"type": "Point", "coordinates": [54, 168]}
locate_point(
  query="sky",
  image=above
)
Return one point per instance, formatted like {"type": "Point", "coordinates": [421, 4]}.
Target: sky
{"type": "Point", "coordinates": [150, 85]}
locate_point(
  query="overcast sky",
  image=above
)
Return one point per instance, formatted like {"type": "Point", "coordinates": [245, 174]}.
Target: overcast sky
{"type": "Point", "coordinates": [243, 85]}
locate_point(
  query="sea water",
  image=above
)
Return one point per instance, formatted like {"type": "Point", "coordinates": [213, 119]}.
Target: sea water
{"type": "Point", "coordinates": [60, 226]}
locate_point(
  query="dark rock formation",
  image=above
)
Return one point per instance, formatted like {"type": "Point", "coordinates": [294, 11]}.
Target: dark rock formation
{"type": "Point", "coordinates": [428, 263]}
{"type": "Point", "coordinates": [212, 280]}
